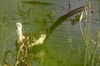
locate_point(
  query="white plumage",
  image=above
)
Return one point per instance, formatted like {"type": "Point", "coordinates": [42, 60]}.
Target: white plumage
{"type": "Point", "coordinates": [23, 37]}
{"type": "Point", "coordinates": [40, 40]}
{"type": "Point", "coordinates": [19, 31]}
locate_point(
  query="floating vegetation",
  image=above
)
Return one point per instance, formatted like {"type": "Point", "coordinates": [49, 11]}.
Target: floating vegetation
{"type": "Point", "coordinates": [38, 3]}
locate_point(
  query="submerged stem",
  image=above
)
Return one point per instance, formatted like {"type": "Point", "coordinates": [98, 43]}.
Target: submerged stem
{"type": "Point", "coordinates": [94, 52]}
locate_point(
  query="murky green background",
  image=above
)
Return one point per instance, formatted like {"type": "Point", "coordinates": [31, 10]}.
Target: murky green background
{"type": "Point", "coordinates": [57, 45]}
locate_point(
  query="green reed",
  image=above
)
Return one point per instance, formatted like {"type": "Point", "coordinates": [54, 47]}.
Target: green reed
{"type": "Point", "coordinates": [95, 49]}
{"type": "Point", "coordinates": [86, 33]}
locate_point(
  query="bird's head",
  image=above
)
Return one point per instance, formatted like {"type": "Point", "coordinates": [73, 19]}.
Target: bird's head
{"type": "Point", "coordinates": [19, 25]}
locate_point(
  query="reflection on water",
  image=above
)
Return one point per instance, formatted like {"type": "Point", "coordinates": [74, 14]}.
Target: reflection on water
{"type": "Point", "coordinates": [57, 50]}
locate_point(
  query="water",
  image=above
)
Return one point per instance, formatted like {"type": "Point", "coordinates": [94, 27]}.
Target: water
{"type": "Point", "coordinates": [58, 48]}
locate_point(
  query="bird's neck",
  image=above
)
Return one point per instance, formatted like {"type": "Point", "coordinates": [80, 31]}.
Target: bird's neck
{"type": "Point", "coordinates": [19, 33]}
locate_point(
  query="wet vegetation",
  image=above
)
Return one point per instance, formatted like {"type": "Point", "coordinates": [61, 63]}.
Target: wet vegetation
{"type": "Point", "coordinates": [38, 3]}
{"type": "Point", "coordinates": [86, 53]}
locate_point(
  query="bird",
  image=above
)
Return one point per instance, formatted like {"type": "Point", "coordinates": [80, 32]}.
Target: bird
{"type": "Point", "coordinates": [34, 38]}
{"type": "Point", "coordinates": [26, 41]}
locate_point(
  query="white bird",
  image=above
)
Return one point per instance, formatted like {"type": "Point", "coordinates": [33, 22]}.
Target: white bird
{"type": "Point", "coordinates": [31, 38]}
{"type": "Point", "coordinates": [25, 42]}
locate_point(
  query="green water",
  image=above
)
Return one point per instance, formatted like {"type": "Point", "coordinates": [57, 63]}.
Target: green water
{"type": "Point", "coordinates": [59, 51]}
